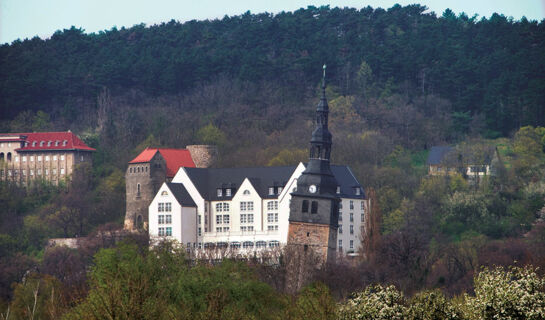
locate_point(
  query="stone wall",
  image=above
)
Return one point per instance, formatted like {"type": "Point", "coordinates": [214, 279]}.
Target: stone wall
{"type": "Point", "coordinates": [203, 155]}
{"type": "Point", "coordinates": [321, 238]}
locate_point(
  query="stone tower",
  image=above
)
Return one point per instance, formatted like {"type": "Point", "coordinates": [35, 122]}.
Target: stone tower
{"type": "Point", "coordinates": [314, 207]}
{"type": "Point", "coordinates": [203, 155]}
{"type": "Point", "coordinates": [142, 180]}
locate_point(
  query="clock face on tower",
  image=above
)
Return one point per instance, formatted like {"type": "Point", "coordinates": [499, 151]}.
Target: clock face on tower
{"type": "Point", "coordinates": [312, 188]}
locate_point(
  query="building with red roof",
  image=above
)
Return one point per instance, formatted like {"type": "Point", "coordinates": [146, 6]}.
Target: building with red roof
{"type": "Point", "coordinates": [50, 156]}
{"type": "Point", "coordinates": [150, 169]}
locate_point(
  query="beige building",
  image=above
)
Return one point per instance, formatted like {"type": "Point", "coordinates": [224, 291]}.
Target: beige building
{"type": "Point", "coordinates": [48, 156]}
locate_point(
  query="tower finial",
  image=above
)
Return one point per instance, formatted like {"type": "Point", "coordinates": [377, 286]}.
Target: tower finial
{"type": "Point", "coordinates": [323, 77]}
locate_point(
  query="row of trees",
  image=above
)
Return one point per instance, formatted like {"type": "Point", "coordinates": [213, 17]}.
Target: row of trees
{"type": "Point", "coordinates": [484, 67]}
{"type": "Point", "coordinates": [128, 282]}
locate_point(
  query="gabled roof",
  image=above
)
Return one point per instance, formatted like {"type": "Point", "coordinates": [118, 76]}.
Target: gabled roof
{"type": "Point", "coordinates": [175, 158]}
{"type": "Point", "coordinates": [208, 180]}
{"type": "Point", "coordinates": [181, 194]}
{"type": "Point", "coordinates": [437, 154]}
{"type": "Point", "coordinates": [50, 141]}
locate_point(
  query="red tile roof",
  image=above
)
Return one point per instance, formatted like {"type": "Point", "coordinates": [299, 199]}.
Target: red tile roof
{"type": "Point", "coordinates": [175, 158]}
{"type": "Point", "coordinates": [44, 141]}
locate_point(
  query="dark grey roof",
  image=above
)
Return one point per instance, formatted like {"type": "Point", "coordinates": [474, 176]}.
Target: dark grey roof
{"type": "Point", "coordinates": [437, 154]}
{"type": "Point", "coordinates": [208, 180]}
{"type": "Point", "coordinates": [181, 194]}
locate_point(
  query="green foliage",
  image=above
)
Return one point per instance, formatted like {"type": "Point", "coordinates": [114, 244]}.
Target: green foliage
{"type": "Point", "coordinates": [432, 305]}
{"type": "Point", "coordinates": [38, 298]}
{"type": "Point", "coordinates": [289, 157]}
{"type": "Point", "coordinates": [210, 134]}
{"type": "Point", "coordinates": [315, 302]}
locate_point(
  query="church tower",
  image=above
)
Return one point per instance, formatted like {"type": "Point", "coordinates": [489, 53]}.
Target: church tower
{"type": "Point", "coordinates": [314, 207]}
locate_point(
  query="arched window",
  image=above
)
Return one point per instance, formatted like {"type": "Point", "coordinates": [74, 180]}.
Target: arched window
{"type": "Point", "coordinates": [1, 156]}
{"type": "Point", "coordinates": [139, 222]}
{"type": "Point", "coordinates": [305, 206]}
{"type": "Point", "coordinates": [138, 189]}
{"type": "Point", "coordinates": [164, 193]}
{"type": "Point", "coordinates": [314, 207]}
{"type": "Point", "coordinates": [9, 157]}
{"type": "Point", "coordinates": [246, 192]}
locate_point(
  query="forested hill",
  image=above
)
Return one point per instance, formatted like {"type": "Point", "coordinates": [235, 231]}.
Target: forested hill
{"type": "Point", "coordinates": [489, 67]}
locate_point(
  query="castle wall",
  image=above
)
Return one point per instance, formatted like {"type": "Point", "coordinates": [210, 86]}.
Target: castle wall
{"type": "Point", "coordinates": [203, 155]}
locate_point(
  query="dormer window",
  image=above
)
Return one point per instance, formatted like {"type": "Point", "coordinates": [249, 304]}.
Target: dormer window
{"type": "Point", "coordinates": [338, 189]}
{"type": "Point", "coordinates": [57, 143]}
{"type": "Point", "coordinates": [228, 192]}
{"type": "Point", "coordinates": [219, 192]}
{"type": "Point", "coordinates": [280, 190]}
{"type": "Point", "coordinates": [42, 143]}
{"type": "Point", "coordinates": [34, 143]}
{"type": "Point", "coordinates": [357, 191]}
{"type": "Point", "coordinates": [49, 143]}
{"type": "Point", "coordinates": [271, 191]}
{"type": "Point", "coordinates": [64, 143]}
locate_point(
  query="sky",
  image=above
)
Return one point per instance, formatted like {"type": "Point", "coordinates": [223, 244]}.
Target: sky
{"type": "Point", "coordinates": [20, 19]}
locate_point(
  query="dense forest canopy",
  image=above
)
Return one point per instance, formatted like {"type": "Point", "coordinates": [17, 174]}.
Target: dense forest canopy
{"type": "Point", "coordinates": [490, 67]}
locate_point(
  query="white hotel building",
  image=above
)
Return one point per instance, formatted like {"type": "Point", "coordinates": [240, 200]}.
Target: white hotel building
{"type": "Point", "coordinates": [245, 209]}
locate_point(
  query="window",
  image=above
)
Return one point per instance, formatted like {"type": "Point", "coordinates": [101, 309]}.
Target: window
{"type": "Point", "coordinates": [338, 189]}
{"type": "Point", "coordinates": [246, 192]}
{"type": "Point", "coordinates": [243, 228]}
{"type": "Point", "coordinates": [160, 205]}
{"type": "Point", "coordinates": [225, 218]}
{"type": "Point", "coordinates": [219, 192]}
{"type": "Point", "coordinates": [247, 244]}
{"type": "Point", "coordinates": [351, 205]}
{"type": "Point", "coordinates": [250, 218]}
{"type": "Point", "coordinates": [351, 229]}
{"type": "Point", "coordinates": [246, 206]}
{"type": "Point", "coordinates": [42, 143]}
{"type": "Point", "coordinates": [199, 219]}
{"type": "Point", "coordinates": [357, 190]}
{"type": "Point", "coordinates": [243, 218]}
{"type": "Point", "coordinates": [46, 172]}
{"type": "Point", "coordinates": [64, 143]}
{"type": "Point", "coordinates": [46, 158]}
{"type": "Point", "coordinates": [272, 228]}
{"type": "Point", "coordinates": [31, 172]}
{"type": "Point", "coordinates": [219, 207]}
{"type": "Point", "coordinates": [168, 207]}
{"type": "Point", "coordinates": [81, 159]}
{"type": "Point", "coordinates": [272, 205]}
{"type": "Point", "coordinates": [225, 206]}
{"type": "Point", "coordinates": [314, 207]}
{"type": "Point", "coordinates": [261, 244]}
{"type": "Point", "coordinates": [31, 158]}
{"type": "Point", "coordinates": [340, 217]}
{"type": "Point", "coordinates": [34, 143]}
{"type": "Point", "coordinates": [272, 217]}
{"type": "Point", "coordinates": [24, 158]}
{"type": "Point", "coordinates": [340, 245]}
{"type": "Point", "coordinates": [225, 229]}
{"type": "Point", "coordinates": [49, 143]}
{"type": "Point", "coordinates": [271, 191]}
{"type": "Point", "coordinates": [62, 170]}
{"type": "Point", "coordinates": [340, 229]}
{"type": "Point", "coordinates": [168, 218]}
{"type": "Point", "coordinates": [351, 244]}
{"type": "Point", "coordinates": [164, 193]}
{"type": "Point", "coordinates": [218, 229]}
{"type": "Point", "coordinates": [55, 158]}
{"type": "Point", "coordinates": [351, 217]}
{"type": "Point", "coordinates": [39, 158]}
{"type": "Point", "coordinates": [16, 158]}
{"type": "Point", "coordinates": [363, 217]}
{"type": "Point", "coordinates": [161, 232]}
{"type": "Point", "coordinates": [273, 244]}
{"type": "Point", "coordinates": [199, 231]}
{"type": "Point", "coordinates": [137, 189]}
{"type": "Point", "coordinates": [161, 219]}
{"type": "Point", "coordinates": [168, 231]}
{"type": "Point", "coordinates": [62, 157]}
{"type": "Point", "coordinates": [280, 190]}
{"type": "Point", "coordinates": [23, 172]}
{"type": "Point", "coordinates": [39, 172]}
{"type": "Point", "coordinates": [57, 143]}
{"type": "Point", "coordinates": [362, 206]}
{"type": "Point", "coordinates": [219, 219]}
{"type": "Point", "coordinates": [305, 206]}
{"type": "Point", "coordinates": [228, 192]}
{"type": "Point", "coordinates": [54, 171]}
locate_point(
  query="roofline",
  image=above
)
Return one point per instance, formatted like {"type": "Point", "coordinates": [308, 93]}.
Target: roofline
{"type": "Point", "coordinates": [71, 149]}
{"type": "Point", "coordinates": [172, 192]}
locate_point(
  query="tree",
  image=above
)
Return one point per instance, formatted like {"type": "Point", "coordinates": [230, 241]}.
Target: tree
{"type": "Point", "coordinates": [375, 302]}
